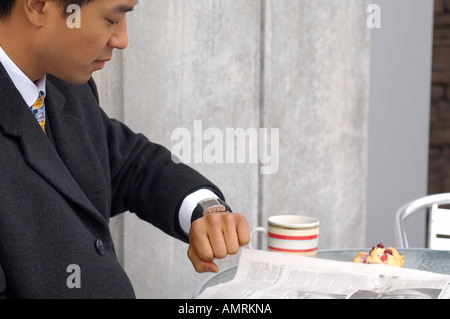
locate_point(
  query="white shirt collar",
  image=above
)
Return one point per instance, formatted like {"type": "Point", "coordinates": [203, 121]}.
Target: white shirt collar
{"type": "Point", "coordinates": [28, 90]}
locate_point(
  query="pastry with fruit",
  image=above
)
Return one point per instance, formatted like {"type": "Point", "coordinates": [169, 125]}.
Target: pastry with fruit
{"type": "Point", "coordinates": [381, 255]}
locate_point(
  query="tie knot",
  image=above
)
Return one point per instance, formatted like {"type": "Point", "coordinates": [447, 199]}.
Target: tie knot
{"type": "Point", "coordinates": [39, 102]}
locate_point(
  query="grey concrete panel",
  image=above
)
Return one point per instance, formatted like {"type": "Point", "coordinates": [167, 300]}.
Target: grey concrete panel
{"type": "Point", "coordinates": [317, 59]}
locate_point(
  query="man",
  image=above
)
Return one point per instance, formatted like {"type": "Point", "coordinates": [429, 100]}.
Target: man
{"type": "Point", "coordinates": [66, 167]}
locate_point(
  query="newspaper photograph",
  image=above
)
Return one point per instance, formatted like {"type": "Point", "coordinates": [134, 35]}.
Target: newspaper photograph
{"type": "Point", "coordinates": [270, 275]}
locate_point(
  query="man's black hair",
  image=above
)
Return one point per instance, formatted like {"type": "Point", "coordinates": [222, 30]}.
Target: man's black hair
{"type": "Point", "coordinates": [5, 8]}
{"type": "Point", "coordinates": [7, 5]}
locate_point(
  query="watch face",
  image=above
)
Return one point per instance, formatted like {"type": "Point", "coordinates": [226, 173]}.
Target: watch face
{"type": "Point", "coordinates": [209, 203]}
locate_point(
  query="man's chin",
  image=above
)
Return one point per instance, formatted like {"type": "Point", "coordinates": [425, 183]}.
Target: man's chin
{"type": "Point", "coordinates": [75, 79]}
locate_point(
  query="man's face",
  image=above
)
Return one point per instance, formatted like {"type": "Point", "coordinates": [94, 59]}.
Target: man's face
{"type": "Point", "coordinates": [73, 54]}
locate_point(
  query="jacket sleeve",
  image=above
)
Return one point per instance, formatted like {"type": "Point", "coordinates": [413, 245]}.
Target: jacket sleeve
{"type": "Point", "coordinates": [146, 181]}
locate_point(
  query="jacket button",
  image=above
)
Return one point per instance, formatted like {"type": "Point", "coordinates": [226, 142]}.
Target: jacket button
{"type": "Point", "coordinates": [100, 246]}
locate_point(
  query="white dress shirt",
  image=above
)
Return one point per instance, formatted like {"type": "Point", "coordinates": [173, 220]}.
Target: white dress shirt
{"type": "Point", "coordinates": [30, 93]}
{"type": "Point", "coordinates": [28, 89]}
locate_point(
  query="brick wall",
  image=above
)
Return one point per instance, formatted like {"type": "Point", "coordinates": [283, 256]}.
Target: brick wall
{"type": "Point", "coordinates": [439, 154]}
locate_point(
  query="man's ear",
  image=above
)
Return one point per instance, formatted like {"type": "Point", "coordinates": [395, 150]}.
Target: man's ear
{"type": "Point", "coordinates": [34, 11]}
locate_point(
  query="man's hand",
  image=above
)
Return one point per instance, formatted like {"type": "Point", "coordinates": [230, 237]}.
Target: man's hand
{"type": "Point", "coordinates": [214, 236]}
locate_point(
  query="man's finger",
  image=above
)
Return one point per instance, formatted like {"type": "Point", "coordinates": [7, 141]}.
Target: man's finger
{"type": "Point", "coordinates": [199, 239]}
{"type": "Point", "coordinates": [230, 234]}
{"type": "Point", "coordinates": [216, 236]}
{"type": "Point", "coordinates": [199, 265]}
{"type": "Point", "coordinates": [242, 230]}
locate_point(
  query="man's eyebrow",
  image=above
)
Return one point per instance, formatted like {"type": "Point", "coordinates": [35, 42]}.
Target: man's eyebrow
{"type": "Point", "coordinates": [123, 8]}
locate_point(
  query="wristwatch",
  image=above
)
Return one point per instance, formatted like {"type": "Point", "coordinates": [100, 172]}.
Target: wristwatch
{"type": "Point", "coordinates": [208, 206]}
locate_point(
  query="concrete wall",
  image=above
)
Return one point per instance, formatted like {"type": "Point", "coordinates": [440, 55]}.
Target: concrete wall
{"type": "Point", "coordinates": [300, 66]}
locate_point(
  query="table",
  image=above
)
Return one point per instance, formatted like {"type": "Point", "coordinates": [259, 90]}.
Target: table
{"type": "Point", "coordinates": [421, 259]}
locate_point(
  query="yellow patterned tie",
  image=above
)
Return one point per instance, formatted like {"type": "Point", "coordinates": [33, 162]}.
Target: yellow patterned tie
{"type": "Point", "coordinates": [38, 109]}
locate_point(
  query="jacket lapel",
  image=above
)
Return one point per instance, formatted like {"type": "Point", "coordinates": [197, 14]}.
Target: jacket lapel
{"type": "Point", "coordinates": [41, 155]}
{"type": "Point", "coordinates": [75, 148]}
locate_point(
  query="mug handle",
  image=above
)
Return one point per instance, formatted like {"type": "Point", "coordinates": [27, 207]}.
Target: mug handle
{"type": "Point", "coordinates": [256, 230]}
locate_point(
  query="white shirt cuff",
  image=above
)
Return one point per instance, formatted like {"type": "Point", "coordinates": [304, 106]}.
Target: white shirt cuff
{"type": "Point", "coordinates": [188, 206]}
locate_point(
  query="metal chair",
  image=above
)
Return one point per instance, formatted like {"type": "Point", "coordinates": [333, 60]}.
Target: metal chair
{"type": "Point", "coordinates": [438, 228]}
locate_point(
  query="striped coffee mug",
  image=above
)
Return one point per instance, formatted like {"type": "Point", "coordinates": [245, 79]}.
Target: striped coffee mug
{"type": "Point", "coordinates": [291, 234]}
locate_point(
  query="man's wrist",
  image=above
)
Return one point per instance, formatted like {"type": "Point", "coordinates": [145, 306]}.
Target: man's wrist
{"type": "Point", "coordinates": [188, 206]}
{"type": "Point", "coordinates": [209, 206]}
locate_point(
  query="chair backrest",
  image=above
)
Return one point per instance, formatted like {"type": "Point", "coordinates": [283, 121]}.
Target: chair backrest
{"type": "Point", "coordinates": [439, 227]}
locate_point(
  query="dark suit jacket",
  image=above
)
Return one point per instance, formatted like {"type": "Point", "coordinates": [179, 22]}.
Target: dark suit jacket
{"type": "Point", "coordinates": [56, 199]}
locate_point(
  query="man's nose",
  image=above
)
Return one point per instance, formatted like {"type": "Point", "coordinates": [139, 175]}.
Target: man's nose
{"type": "Point", "coordinates": [119, 40]}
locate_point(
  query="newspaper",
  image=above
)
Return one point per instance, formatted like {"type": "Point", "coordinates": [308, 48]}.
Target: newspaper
{"type": "Point", "coordinates": [271, 275]}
